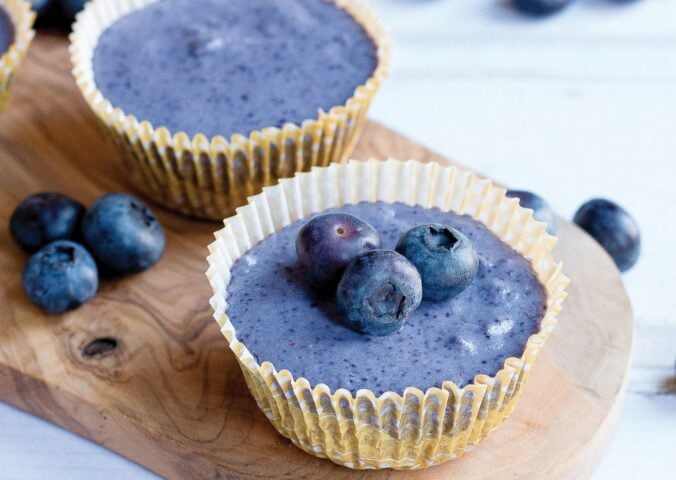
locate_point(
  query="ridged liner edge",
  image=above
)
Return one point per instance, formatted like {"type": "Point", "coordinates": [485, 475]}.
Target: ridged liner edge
{"type": "Point", "coordinates": [209, 177]}
{"type": "Point", "coordinates": [418, 429]}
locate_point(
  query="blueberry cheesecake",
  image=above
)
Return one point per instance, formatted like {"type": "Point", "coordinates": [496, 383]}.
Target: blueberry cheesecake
{"type": "Point", "coordinates": [209, 101]}
{"type": "Point", "coordinates": [16, 34]}
{"type": "Point", "coordinates": [387, 317]}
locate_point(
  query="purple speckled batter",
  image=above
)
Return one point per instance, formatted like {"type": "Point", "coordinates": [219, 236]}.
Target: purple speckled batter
{"type": "Point", "coordinates": [280, 319]}
{"type": "Point", "coordinates": [6, 31]}
{"type": "Point", "coordinates": [221, 67]}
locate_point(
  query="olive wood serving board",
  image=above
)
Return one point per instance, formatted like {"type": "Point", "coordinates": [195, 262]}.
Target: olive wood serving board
{"type": "Point", "coordinates": [170, 395]}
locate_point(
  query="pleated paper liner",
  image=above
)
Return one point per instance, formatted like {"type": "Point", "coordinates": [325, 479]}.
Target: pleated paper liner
{"type": "Point", "coordinates": [418, 429]}
{"type": "Point", "coordinates": [22, 18]}
{"type": "Point", "coordinates": [210, 177]}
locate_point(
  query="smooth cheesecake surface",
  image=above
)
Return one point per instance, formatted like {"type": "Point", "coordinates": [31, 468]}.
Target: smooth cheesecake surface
{"type": "Point", "coordinates": [223, 67]}
{"type": "Point", "coordinates": [281, 319]}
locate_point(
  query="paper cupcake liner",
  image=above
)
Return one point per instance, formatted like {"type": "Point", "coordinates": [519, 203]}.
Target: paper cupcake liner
{"type": "Point", "coordinates": [209, 177]}
{"type": "Point", "coordinates": [418, 429]}
{"type": "Point", "coordinates": [22, 18]}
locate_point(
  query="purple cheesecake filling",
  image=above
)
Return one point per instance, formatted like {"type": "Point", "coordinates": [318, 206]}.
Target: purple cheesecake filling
{"type": "Point", "coordinates": [281, 319]}
{"type": "Point", "coordinates": [6, 31]}
{"type": "Point", "coordinates": [221, 67]}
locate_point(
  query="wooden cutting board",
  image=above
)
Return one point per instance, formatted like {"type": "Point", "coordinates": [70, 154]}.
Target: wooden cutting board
{"type": "Point", "coordinates": [170, 395]}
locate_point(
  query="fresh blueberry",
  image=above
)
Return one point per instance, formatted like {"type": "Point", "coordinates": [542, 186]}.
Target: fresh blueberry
{"type": "Point", "coordinates": [541, 209]}
{"type": "Point", "coordinates": [444, 256]}
{"type": "Point", "coordinates": [40, 6]}
{"type": "Point", "coordinates": [327, 243]}
{"type": "Point", "coordinates": [43, 218]}
{"type": "Point", "coordinates": [540, 8]}
{"type": "Point", "coordinates": [123, 233]}
{"type": "Point", "coordinates": [60, 277]}
{"type": "Point", "coordinates": [611, 226]}
{"type": "Point", "coordinates": [70, 8]}
{"type": "Point", "coordinates": [379, 291]}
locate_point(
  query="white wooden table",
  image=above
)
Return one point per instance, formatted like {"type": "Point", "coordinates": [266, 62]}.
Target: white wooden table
{"type": "Point", "coordinates": [579, 105]}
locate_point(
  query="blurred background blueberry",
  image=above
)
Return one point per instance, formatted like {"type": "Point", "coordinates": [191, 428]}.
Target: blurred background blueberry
{"type": "Point", "coordinates": [613, 227]}
{"type": "Point", "coordinates": [43, 218]}
{"type": "Point", "coordinates": [541, 209]}
{"type": "Point", "coordinates": [60, 277]}
{"type": "Point", "coordinates": [40, 6]}
{"type": "Point", "coordinates": [540, 8]}
{"type": "Point", "coordinates": [70, 8]}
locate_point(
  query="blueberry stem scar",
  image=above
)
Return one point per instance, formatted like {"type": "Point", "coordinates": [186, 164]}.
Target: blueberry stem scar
{"type": "Point", "coordinates": [441, 238]}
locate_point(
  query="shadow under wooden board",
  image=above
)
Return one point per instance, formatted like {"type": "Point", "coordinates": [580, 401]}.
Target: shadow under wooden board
{"type": "Point", "coordinates": [171, 397]}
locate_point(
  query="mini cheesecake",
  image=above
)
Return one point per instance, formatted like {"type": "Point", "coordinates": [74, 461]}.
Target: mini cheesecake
{"type": "Point", "coordinates": [425, 393]}
{"type": "Point", "coordinates": [209, 100]}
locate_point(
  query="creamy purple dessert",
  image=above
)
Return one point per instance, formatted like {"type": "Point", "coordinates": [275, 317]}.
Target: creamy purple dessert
{"type": "Point", "coordinates": [6, 31]}
{"type": "Point", "coordinates": [282, 319]}
{"type": "Point", "coordinates": [223, 67]}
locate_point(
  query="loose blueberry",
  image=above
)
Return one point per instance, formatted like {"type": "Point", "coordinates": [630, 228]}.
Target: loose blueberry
{"type": "Point", "coordinates": [327, 243]}
{"type": "Point", "coordinates": [379, 291]}
{"type": "Point", "coordinates": [541, 209]}
{"type": "Point", "coordinates": [43, 218]}
{"type": "Point", "coordinates": [70, 8]}
{"type": "Point", "coordinates": [612, 227]}
{"type": "Point", "coordinates": [444, 256]}
{"type": "Point", "coordinates": [123, 233]}
{"type": "Point", "coordinates": [40, 6]}
{"type": "Point", "coordinates": [540, 8]}
{"type": "Point", "coordinates": [60, 277]}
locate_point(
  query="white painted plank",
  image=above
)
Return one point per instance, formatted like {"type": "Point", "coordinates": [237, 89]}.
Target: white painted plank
{"type": "Point", "coordinates": [644, 446]}
{"type": "Point", "coordinates": [33, 449]}
{"type": "Point", "coordinates": [482, 40]}
{"type": "Point", "coordinates": [480, 19]}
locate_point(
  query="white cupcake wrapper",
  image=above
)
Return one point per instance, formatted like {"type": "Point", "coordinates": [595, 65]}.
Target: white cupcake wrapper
{"type": "Point", "coordinates": [209, 177]}
{"type": "Point", "coordinates": [418, 429]}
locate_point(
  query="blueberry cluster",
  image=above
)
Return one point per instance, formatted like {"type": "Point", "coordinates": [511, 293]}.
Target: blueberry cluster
{"type": "Point", "coordinates": [543, 8]}
{"type": "Point", "coordinates": [607, 223]}
{"type": "Point", "coordinates": [70, 245]}
{"type": "Point", "coordinates": [377, 290]}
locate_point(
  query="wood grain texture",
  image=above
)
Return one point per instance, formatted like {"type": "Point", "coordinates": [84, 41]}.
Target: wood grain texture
{"type": "Point", "coordinates": [171, 396]}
